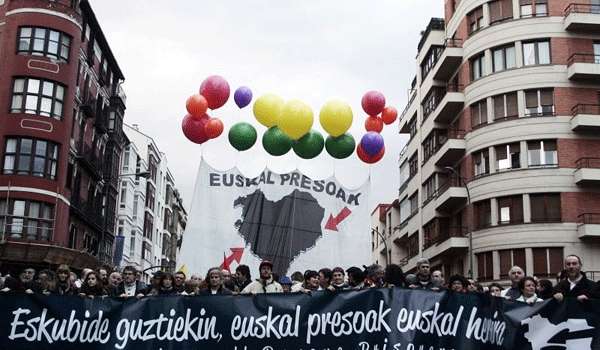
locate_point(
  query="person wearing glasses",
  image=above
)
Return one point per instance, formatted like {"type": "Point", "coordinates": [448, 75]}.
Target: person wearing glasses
{"type": "Point", "coordinates": [130, 287]}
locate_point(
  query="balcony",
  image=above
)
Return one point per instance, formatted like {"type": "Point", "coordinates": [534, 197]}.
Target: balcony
{"type": "Point", "coordinates": [588, 171]}
{"type": "Point", "coordinates": [589, 225]}
{"type": "Point", "coordinates": [451, 195]}
{"type": "Point", "coordinates": [87, 212]}
{"type": "Point", "coordinates": [582, 18]}
{"type": "Point", "coordinates": [452, 148]}
{"type": "Point", "coordinates": [448, 239]}
{"type": "Point", "coordinates": [449, 60]}
{"type": "Point", "coordinates": [586, 118]}
{"type": "Point", "coordinates": [450, 105]}
{"type": "Point", "coordinates": [91, 161]}
{"type": "Point", "coordinates": [88, 106]}
{"type": "Point", "coordinates": [583, 66]}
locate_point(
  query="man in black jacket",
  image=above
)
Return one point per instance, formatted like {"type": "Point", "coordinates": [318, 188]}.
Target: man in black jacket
{"type": "Point", "coordinates": [576, 285]}
{"type": "Point", "coordinates": [130, 287]}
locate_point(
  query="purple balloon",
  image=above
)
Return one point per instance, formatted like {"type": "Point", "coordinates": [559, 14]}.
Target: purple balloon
{"type": "Point", "coordinates": [372, 143]}
{"type": "Point", "coordinates": [242, 96]}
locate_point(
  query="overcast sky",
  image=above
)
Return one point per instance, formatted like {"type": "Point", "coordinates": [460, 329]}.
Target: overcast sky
{"type": "Point", "coordinates": [309, 50]}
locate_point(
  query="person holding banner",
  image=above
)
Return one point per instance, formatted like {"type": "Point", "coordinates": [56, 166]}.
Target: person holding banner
{"type": "Point", "coordinates": [423, 278]}
{"type": "Point", "coordinates": [528, 286]}
{"type": "Point", "coordinates": [266, 283]}
{"type": "Point", "coordinates": [310, 284]}
{"type": "Point", "coordinates": [130, 287]}
{"type": "Point", "coordinates": [214, 279]}
{"type": "Point", "coordinates": [576, 285]}
{"type": "Point", "coordinates": [92, 286]}
{"type": "Point", "coordinates": [515, 274]}
{"type": "Point", "coordinates": [337, 280]}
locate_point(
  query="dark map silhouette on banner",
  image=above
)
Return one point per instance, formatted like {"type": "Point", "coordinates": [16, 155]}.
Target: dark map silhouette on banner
{"type": "Point", "coordinates": [290, 219]}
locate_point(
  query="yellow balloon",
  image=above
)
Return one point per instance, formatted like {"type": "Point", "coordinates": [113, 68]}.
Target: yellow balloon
{"type": "Point", "coordinates": [296, 119]}
{"type": "Point", "coordinates": [336, 117]}
{"type": "Point", "coordinates": [267, 109]}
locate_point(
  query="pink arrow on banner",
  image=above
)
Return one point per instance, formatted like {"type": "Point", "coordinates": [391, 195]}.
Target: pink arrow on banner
{"type": "Point", "coordinates": [332, 222]}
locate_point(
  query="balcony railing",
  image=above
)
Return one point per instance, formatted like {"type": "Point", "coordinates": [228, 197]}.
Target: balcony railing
{"type": "Point", "coordinates": [88, 211]}
{"type": "Point", "coordinates": [444, 234]}
{"type": "Point", "coordinates": [586, 109]}
{"type": "Point", "coordinates": [450, 42]}
{"type": "Point", "coordinates": [582, 8]}
{"type": "Point", "coordinates": [583, 58]}
{"type": "Point", "coordinates": [453, 181]}
{"type": "Point", "coordinates": [91, 161]}
{"type": "Point", "coordinates": [588, 163]}
{"type": "Point", "coordinates": [589, 219]}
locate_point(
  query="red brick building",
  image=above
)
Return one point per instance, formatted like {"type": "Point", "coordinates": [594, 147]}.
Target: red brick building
{"type": "Point", "coordinates": [502, 166]}
{"type": "Point", "coordinates": [61, 111]}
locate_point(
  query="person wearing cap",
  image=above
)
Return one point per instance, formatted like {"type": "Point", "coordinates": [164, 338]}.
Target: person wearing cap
{"type": "Point", "coordinates": [286, 284]}
{"type": "Point", "coordinates": [265, 284]}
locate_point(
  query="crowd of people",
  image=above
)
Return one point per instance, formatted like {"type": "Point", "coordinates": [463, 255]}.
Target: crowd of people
{"type": "Point", "coordinates": [571, 282]}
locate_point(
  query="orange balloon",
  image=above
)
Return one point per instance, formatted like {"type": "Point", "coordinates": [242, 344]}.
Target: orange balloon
{"type": "Point", "coordinates": [213, 128]}
{"type": "Point", "coordinates": [374, 123]}
{"type": "Point", "coordinates": [389, 115]}
{"type": "Point", "coordinates": [196, 106]}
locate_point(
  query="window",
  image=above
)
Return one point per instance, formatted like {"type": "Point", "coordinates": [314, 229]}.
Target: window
{"type": "Point", "coordinates": [35, 96]}
{"type": "Point", "coordinates": [432, 100]}
{"type": "Point", "coordinates": [433, 142]}
{"type": "Point", "coordinates": [506, 106]}
{"type": "Point", "coordinates": [404, 210]}
{"type": "Point", "coordinates": [150, 196]}
{"type": "Point", "coordinates": [430, 60]}
{"type": "Point", "coordinates": [500, 10]}
{"type": "Point", "coordinates": [536, 52]}
{"type": "Point", "coordinates": [477, 67]}
{"type": "Point", "coordinates": [404, 173]}
{"type": "Point", "coordinates": [123, 202]}
{"type": "Point", "coordinates": [30, 157]}
{"type": "Point", "coordinates": [479, 114]}
{"type": "Point", "coordinates": [510, 210]}
{"type": "Point", "coordinates": [504, 58]}
{"type": "Point", "coordinates": [413, 245]}
{"type": "Point", "coordinates": [148, 225]}
{"type": "Point", "coordinates": [542, 153]}
{"type": "Point", "coordinates": [413, 164]}
{"type": "Point", "coordinates": [485, 266]}
{"type": "Point", "coordinates": [510, 258]}
{"type": "Point", "coordinates": [545, 207]}
{"type": "Point", "coordinates": [147, 252]}
{"type": "Point", "coordinates": [414, 203]}
{"type": "Point", "coordinates": [539, 102]}
{"type": "Point", "coordinates": [508, 156]}
{"type": "Point", "coordinates": [26, 219]}
{"type": "Point", "coordinates": [597, 50]}
{"type": "Point", "coordinates": [429, 189]}
{"type": "Point", "coordinates": [44, 42]}
{"type": "Point", "coordinates": [126, 161]}
{"type": "Point", "coordinates": [72, 236]}
{"type": "Point", "coordinates": [135, 206]}
{"type": "Point", "coordinates": [475, 19]}
{"type": "Point", "coordinates": [132, 244]}
{"type": "Point", "coordinates": [533, 8]}
{"type": "Point", "coordinates": [481, 163]}
{"type": "Point", "coordinates": [483, 214]}
{"type": "Point", "coordinates": [547, 262]}
{"type": "Point", "coordinates": [412, 127]}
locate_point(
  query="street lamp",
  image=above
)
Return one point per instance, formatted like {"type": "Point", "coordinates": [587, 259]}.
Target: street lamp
{"type": "Point", "coordinates": [376, 230]}
{"type": "Point", "coordinates": [144, 174]}
{"type": "Point", "coordinates": [463, 183]}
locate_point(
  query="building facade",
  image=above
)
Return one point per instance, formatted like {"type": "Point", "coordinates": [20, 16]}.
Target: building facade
{"type": "Point", "coordinates": [151, 216]}
{"type": "Point", "coordinates": [502, 166]}
{"type": "Point", "coordinates": [61, 137]}
{"type": "Point", "coordinates": [385, 220]}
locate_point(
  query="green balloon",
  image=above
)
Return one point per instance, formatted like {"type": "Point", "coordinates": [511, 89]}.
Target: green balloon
{"type": "Point", "coordinates": [340, 147]}
{"type": "Point", "coordinates": [242, 136]}
{"type": "Point", "coordinates": [310, 145]}
{"type": "Point", "coordinates": [276, 142]}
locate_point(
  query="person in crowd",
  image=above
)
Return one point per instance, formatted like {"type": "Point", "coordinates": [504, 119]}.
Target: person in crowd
{"type": "Point", "coordinates": [561, 276]}
{"type": "Point", "coordinates": [527, 286]}
{"type": "Point", "coordinates": [130, 287]}
{"type": "Point", "coordinates": [215, 283]}
{"type": "Point", "coordinates": [24, 284]}
{"type": "Point", "coordinates": [46, 280]}
{"type": "Point", "coordinates": [103, 273]}
{"type": "Point", "coordinates": [73, 277]}
{"type": "Point", "coordinates": [166, 285]}
{"type": "Point", "coordinates": [286, 284]}
{"type": "Point", "coordinates": [515, 274]}
{"type": "Point", "coordinates": [192, 287]}
{"type": "Point", "coordinates": [393, 276]}
{"type": "Point", "coordinates": [437, 277]}
{"type": "Point", "coordinates": [310, 284]}
{"type": "Point", "coordinates": [113, 280]}
{"type": "Point", "coordinates": [374, 276]}
{"type": "Point", "coordinates": [576, 285]}
{"type": "Point", "coordinates": [64, 283]}
{"type": "Point", "coordinates": [545, 290]}
{"type": "Point", "coordinates": [180, 278]}
{"type": "Point", "coordinates": [337, 280]}
{"type": "Point", "coordinates": [423, 277]}
{"type": "Point", "coordinates": [196, 277]}
{"type": "Point", "coordinates": [92, 286]}
{"type": "Point", "coordinates": [458, 284]}
{"type": "Point", "coordinates": [356, 277]}
{"type": "Point", "coordinates": [325, 275]}
{"type": "Point", "coordinates": [266, 283]}
{"type": "Point", "coordinates": [79, 281]}
{"type": "Point", "coordinates": [495, 289]}
{"type": "Point", "coordinates": [154, 286]}
{"type": "Point", "coordinates": [228, 280]}
{"type": "Point", "coordinates": [297, 278]}
{"type": "Point", "coordinates": [242, 277]}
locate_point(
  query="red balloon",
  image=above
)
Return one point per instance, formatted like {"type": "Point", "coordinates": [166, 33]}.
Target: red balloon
{"type": "Point", "coordinates": [216, 91]}
{"type": "Point", "coordinates": [367, 158]}
{"type": "Point", "coordinates": [374, 123]}
{"type": "Point", "coordinates": [373, 102]}
{"type": "Point", "coordinates": [389, 115]}
{"type": "Point", "coordinates": [213, 128]}
{"type": "Point", "coordinates": [196, 105]}
{"type": "Point", "coordinates": [194, 129]}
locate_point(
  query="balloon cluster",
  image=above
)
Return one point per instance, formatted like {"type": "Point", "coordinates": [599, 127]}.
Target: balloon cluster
{"type": "Point", "coordinates": [372, 147]}
{"type": "Point", "coordinates": [197, 125]}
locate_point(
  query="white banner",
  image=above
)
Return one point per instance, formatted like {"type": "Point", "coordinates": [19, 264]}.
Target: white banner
{"type": "Point", "coordinates": [294, 221]}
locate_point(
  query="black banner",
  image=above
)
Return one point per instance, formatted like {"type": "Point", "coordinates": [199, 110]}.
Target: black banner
{"type": "Point", "coordinates": [377, 319]}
